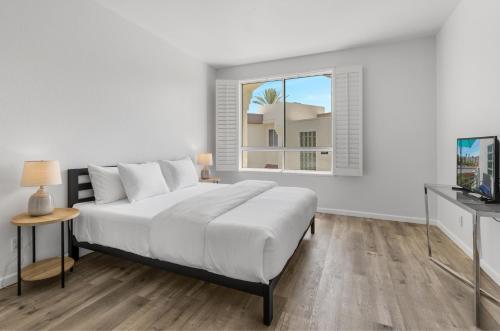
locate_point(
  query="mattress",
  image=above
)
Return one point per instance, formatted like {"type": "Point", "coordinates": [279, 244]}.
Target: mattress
{"type": "Point", "coordinates": [124, 225]}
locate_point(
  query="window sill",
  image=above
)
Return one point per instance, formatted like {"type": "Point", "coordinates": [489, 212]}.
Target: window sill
{"type": "Point", "coordinates": [305, 172]}
{"type": "Point", "coordinates": [288, 172]}
{"type": "Point", "coordinates": [260, 170]}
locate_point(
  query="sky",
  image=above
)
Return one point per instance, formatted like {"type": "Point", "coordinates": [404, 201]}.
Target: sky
{"type": "Point", "coordinates": [470, 146]}
{"type": "Point", "coordinates": [315, 90]}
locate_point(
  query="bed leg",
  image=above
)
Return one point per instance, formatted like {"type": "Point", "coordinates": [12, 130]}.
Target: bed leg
{"type": "Point", "coordinates": [313, 225]}
{"type": "Point", "coordinates": [75, 251]}
{"type": "Point", "coordinates": [268, 305]}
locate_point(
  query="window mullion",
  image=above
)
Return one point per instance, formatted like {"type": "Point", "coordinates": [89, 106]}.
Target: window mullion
{"type": "Point", "coordinates": [283, 87]}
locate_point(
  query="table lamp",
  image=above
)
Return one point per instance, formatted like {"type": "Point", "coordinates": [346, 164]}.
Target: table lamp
{"type": "Point", "coordinates": [205, 159]}
{"type": "Point", "coordinates": [41, 173]}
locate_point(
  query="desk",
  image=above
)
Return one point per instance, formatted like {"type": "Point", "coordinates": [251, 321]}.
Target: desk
{"type": "Point", "coordinates": [477, 209]}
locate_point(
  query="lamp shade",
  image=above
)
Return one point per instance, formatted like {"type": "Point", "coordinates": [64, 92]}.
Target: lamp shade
{"type": "Point", "coordinates": [38, 173]}
{"type": "Point", "coordinates": [205, 159]}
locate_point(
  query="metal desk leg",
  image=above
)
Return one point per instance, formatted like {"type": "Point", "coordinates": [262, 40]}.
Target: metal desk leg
{"type": "Point", "coordinates": [477, 267]}
{"type": "Point", "coordinates": [476, 260]}
{"type": "Point", "coordinates": [427, 221]}
{"type": "Point", "coordinates": [62, 254]}
{"type": "Point", "coordinates": [18, 260]}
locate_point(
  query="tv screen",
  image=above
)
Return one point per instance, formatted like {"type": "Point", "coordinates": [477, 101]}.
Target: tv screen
{"type": "Point", "coordinates": [477, 165]}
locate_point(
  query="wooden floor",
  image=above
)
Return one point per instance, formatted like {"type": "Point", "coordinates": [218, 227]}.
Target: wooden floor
{"type": "Point", "coordinates": [354, 273]}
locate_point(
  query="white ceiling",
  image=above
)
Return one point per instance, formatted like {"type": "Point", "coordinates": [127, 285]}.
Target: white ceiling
{"type": "Point", "coordinates": [232, 32]}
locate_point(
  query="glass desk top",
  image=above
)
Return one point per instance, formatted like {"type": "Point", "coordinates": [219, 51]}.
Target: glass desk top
{"type": "Point", "coordinates": [467, 201]}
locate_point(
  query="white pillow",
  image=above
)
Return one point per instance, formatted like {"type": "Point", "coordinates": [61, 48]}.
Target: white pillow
{"type": "Point", "coordinates": [179, 173]}
{"type": "Point", "coordinates": [106, 183]}
{"type": "Point", "coordinates": [142, 181]}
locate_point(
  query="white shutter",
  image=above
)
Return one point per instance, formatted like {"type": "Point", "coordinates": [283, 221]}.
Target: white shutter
{"type": "Point", "coordinates": [226, 125]}
{"type": "Point", "coordinates": [348, 121]}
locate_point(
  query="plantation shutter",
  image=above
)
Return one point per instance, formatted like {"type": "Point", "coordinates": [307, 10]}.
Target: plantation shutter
{"type": "Point", "coordinates": [226, 125]}
{"type": "Point", "coordinates": [348, 121]}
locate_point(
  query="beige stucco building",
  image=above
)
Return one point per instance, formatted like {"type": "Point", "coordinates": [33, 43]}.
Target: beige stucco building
{"type": "Point", "coordinates": [306, 126]}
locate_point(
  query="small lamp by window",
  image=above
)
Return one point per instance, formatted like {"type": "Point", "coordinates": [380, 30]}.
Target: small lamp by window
{"type": "Point", "coordinates": [205, 160]}
{"type": "Point", "coordinates": [41, 173]}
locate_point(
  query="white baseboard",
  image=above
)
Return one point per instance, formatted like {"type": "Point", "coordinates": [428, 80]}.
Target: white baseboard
{"type": "Point", "coordinates": [8, 280]}
{"type": "Point", "coordinates": [455, 239]}
{"type": "Point", "coordinates": [386, 217]}
{"type": "Point", "coordinates": [468, 250]}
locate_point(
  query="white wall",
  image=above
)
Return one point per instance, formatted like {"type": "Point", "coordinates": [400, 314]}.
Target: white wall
{"type": "Point", "coordinates": [82, 85]}
{"type": "Point", "coordinates": [399, 132]}
{"type": "Point", "coordinates": [468, 104]}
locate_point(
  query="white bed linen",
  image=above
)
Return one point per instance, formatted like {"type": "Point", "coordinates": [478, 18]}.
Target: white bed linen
{"type": "Point", "coordinates": [124, 225]}
{"type": "Point", "coordinates": [251, 242]}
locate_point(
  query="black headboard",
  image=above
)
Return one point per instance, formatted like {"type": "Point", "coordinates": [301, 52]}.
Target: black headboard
{"type": "Point", "coordinates": [74, 186]}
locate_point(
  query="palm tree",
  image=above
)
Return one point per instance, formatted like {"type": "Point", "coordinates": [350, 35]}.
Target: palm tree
{"type": "Point", "coordinates": [268, 97]}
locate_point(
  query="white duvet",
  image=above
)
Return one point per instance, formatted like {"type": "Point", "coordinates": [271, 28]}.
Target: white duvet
{"type": "Point", "coordinates": [245, 231]}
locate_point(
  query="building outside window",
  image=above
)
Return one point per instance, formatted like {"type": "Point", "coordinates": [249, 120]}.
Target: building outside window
{"type": "Point", "coordinates": [490, 160]}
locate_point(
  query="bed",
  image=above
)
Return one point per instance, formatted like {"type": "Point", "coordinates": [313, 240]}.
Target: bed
{"type": "Point", "coordinates": [246, 246]}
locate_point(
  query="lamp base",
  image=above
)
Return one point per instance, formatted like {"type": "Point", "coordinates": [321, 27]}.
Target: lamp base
{"type": "Point", "coordinates": [41, 203]}
{"type": "Point", "coordinates": [205, 173]}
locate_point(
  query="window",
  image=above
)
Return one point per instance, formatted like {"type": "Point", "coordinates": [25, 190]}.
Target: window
{"type": "Point", "coordinates": [258, 123]}
{"type": "Point", "coordinates": [286, 124]}
{"type": "Point", "coordinates": [273, 138]}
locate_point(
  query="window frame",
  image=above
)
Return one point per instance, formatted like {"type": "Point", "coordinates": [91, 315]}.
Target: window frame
{"type": "Point", "coordinates": [284, 149]}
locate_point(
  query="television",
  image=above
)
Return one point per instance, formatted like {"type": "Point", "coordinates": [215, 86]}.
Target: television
{"type": "Point", "coordinates": [477, 166]}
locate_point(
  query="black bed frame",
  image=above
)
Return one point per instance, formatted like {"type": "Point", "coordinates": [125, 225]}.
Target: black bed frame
{"type": "Point", "coordinates": [260, 289]}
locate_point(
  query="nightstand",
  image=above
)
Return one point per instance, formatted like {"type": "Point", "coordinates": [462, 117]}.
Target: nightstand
{"type": "Point", "coordinates": [51, 267]}
{"type": "Point", "coordinates": [215, 180]}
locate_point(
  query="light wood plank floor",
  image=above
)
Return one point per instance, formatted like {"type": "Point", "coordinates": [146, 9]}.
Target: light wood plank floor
{"type": "Point", "coordinates": [354, 273]}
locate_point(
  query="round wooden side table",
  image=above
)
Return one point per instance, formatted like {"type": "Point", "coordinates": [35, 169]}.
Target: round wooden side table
{"type": "Point", "coordinates": [51, 267]}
